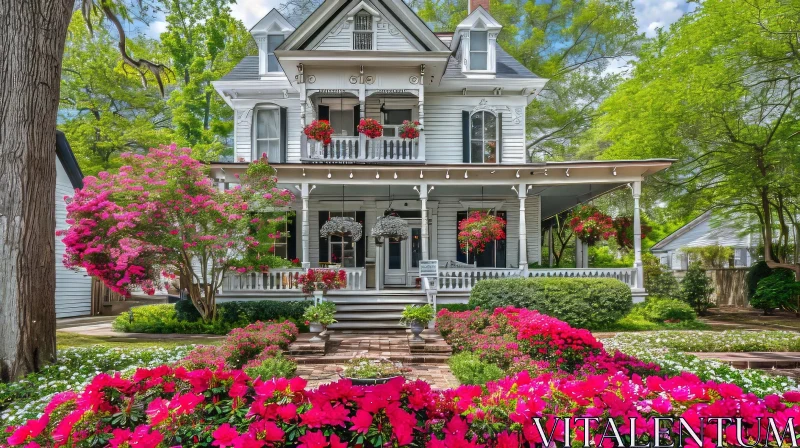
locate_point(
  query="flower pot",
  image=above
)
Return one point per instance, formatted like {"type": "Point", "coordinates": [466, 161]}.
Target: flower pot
{"type": "Point", "coordinates": [416, 330]}
{"type": "Point", "coordinates": [318, 296]}
{"type": "Point", "coordinates": [315, 327]}
{"type": "Point", "coordinates": [319, 329]}
{"type": "Point", "coordinates": [370, 381]}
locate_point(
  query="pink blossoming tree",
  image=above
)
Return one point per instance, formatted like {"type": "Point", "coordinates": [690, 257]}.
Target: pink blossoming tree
{"type": "Point", "coordinates": [161, 214]}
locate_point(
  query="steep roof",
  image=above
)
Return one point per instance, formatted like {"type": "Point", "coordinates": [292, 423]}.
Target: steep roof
{"type": "Point", "coordinates": [507, 66]}
{"type": "Point", "coordinates": [700, 233]}
{"type": "Point", "coordinates": [245, 70]}
{"type": "Point", "coordinates": [67, 159]}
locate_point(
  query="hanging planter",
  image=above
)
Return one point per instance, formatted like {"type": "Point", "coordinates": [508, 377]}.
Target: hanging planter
{"type": "Point", "coordinates": [591, 225]}
{"type": "Point", "coordinates": [392, 227]}
{"type": "Point", "coordinates": [370, 127]}
{"type": "Point", "coordinates": [319, 130]}
{"type": "Point", "coordinates": [623, 227]}
{"type": "Point", "coordinates": [341, 226]}
{"type": "Point", "coordinates": [478, 229]}
{"type": "Point", "coordinates": [409, 130]}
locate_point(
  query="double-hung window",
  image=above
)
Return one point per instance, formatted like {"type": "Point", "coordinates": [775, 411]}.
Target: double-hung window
{"type": "Point", "coordinates": [393, 119]}
{"type": "Point", "coordinates": [268, 133]}
{"type": "Point", "coordinates": [273, 41]}
{"type": "Point", "coordinates": [483, 137]}
{"type": "Point", "coordinates": [478, 50]}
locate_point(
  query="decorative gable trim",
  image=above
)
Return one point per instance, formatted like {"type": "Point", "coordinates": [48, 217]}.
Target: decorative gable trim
{"type": "Point", "coordinates": [362, 5]}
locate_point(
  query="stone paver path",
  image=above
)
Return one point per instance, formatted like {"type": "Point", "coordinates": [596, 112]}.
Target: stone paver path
{"type": "Point", "coordinates": [754, 360]}
{"type": "Point", "coordinates": [438, 376]}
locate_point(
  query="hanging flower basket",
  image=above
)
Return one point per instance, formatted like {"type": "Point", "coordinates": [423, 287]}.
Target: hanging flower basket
{"type": "Point", "coordinates": [319, 130]}
{"type": "Point", "coordinates": [370, 127]}
{"type": "Point", "coordinates": [341, 226]}
{"type": "Point", "coordinates": [591, 225]}
{"type": "Point", "coordinates": [409, 130]}
{"type": "Point", "coordinates": [478, 229]}
{"type": "Point", "coordinates": [623, 227]}
{"type": "Point", "coordinates": [391, 226]}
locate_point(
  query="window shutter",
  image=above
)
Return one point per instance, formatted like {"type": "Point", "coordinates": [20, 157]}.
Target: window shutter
{"type": "Point", "coordinates": [465, 135]}
{"type": "Point", "coordinates": [356, 118]}
{"type": "Point", "coordinates": [291, 241]}
{"type": "Point", "coordinates": [323, 242]}
{"type": "Point", "coordinates": [361, 245]}
{"type": "Point", "coordinates": [284, 134]}
{"type": "Point", "coordinates": [460, 255]}
{"type": "Point", "coordinates": [323, 112]}
{"type": "Point", "coordinates": [499, 138]}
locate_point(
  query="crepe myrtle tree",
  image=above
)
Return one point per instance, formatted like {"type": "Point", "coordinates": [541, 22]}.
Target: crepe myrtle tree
{"type": "Point", "coordinates": [161, 214]}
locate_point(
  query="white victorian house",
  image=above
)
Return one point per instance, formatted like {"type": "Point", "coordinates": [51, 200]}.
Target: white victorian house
{"type": "Point", "coordinates": [354, 59]}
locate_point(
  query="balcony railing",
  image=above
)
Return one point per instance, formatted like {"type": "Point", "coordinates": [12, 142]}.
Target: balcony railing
{"type": "Point", "coordinates": [625, 275]}
{"type": "Point", "coordinates": [284, 280]}
{"type": "Point", "coordinates": [359, 149]}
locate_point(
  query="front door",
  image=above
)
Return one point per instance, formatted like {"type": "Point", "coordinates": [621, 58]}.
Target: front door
{"type": "Point", "coordinates": [402, 257]}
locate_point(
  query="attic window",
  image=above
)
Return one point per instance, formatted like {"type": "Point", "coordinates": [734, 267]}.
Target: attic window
{"type": "Point", "coordinates": [478, 50]}
{"type": "Point", "coordinates": [362, 33]}
{"type": "Point", "coordinates": [273, 41]}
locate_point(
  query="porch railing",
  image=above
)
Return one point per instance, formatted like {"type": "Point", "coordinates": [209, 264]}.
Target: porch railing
{"type": "Point", "coordinates": [464, 279]}
{"type": "Point", "coordinates": [361, 149]}
{"type": "Point", "coordinates": [284, 280]}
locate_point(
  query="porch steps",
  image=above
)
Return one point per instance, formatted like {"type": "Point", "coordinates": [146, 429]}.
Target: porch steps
{"type": "Point", "coordinates": [373, 310]}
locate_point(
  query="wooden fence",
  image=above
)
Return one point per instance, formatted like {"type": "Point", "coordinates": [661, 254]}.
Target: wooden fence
{"type": "Point", "coordinates": [730, 287]}
{"type": "Point", "coordinates": [102, 294]}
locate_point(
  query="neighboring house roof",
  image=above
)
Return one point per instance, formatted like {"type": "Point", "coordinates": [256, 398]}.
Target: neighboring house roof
{"type": "Point", "coordinates": [699, 233]}
{"type": "Point", "coordinates": [68, 160]}
{"type": "Point", "coordinates": [245, 70]}
{"type": "Point", "coordinates": [507, 66]}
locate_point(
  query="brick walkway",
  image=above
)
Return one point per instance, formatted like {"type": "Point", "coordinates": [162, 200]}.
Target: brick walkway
{"type": "Point", "coordinates": [427, 361]}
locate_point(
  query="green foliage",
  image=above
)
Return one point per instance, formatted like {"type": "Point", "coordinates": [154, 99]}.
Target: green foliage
{"type": "Point", "coordinates": [367, 368]}
{"type": "Point", "coordinates": [758, 271]}
{"type": "Point", "coordinates": [659, 310]}
{"type": "Point", "coordinates": [468, 368]}
{"type": "Point", "coordinates": [658, 279]}
{"type": "Point", "coordinates": [421, 314]}
{"type": "Point", "coordinates": [778, 290]}
{"type": "Point", "coordinates": [604, 257]}
{"type": "Point", "coordinates": [710, 256]}
{"type": "Point", "coordinates": [581, 302]}
{"type": "Point", "coordinates": [454, 307]}
{"type": "Point", "coordinates": [696, 288]}
{"type": "Point", "coordinates": [275, 367]}
{"type": "Point", "coordinates": [321, 314]}
{"type": "Point", "coordinates": [184, 318]}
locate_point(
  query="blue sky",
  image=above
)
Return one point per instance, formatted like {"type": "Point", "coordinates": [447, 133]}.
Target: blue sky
{"type": "Point", "coordinates": [651, 14]}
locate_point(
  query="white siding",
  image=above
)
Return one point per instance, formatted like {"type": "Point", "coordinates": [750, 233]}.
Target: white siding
{"type": "Point", "coordinates": [387, 37]}
{"type": "Point", "coordinates": [390, 39]}
{"type": "Point", "coordinates": [443, 127]}
{"type": "Point", "coordinates": [73, 289]}
{"type": "Point", "coordinates": [243, 128]}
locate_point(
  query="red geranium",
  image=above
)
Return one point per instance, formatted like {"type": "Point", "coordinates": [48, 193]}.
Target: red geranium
{"type": "Point", "coordinates": [319, 130]}
{"type": "Point", "coordinates": [591, 225]}
{"type": "Point", "coordinates": [409, 130]}
{"type": "Point", "coordinates": [370, 127]}
{"type": "Point", "coordinates": [478, 229]}
{"type": "Point", "coordinates": [623, 226]}
{"type": "Point", "coordinates": [322, 279]}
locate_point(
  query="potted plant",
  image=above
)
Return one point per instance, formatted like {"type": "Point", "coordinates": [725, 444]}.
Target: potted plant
{"type": "Point", "coordinates": [319, 316]}
{"type": "Point", "coordinates": [417, 317]}
{"type": "Point", "coordinates": [591, 225]}
{"type": "Point", "coordinates": [367, 371]}
{"type": "Point", "coordinates": [319, 130]}
{"type": "Point", "coordinates": [479, 228]}
{"type": "Point", "coordinates": [409, 130]}
{"type": "Point", "coordinates": [317, 282]}
{"type": "Point", "coordinates": [370, 127]}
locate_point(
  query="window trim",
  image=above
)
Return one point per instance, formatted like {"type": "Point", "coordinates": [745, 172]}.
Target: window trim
{"type": "Point", "coordinates": [496, 135]}
{"type": "Point", "coordinates": [254, 137]}
{"type": "Point", "coordinates": [484, 52]}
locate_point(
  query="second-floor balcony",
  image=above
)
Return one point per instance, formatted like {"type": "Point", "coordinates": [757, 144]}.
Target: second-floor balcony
{"type": "Point", "coordinates": [360, 149]}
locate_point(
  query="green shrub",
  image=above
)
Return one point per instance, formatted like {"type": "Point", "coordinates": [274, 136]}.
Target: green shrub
{"type": "Point", "coordinates": [420, 314]}
{"type": "Point", "coordinates": [454, 307]}
{"type": "Point", "coordinates": [658, 279]}
{"type": "Point", "coordinates": [659, 309]}
{"type": "Point", "coordinates": [469, 369]}
{"type": "Point", "coordinates": [276, 367]}
{"type": "Point", "coordinates": [248, 312]}
{"type": "Point", "coordinates": [776, 291]}
{"type": "Point", "coordinates": [696, 288]}
{"type": "Point", "coordinates": [758, 271]}
{"type": "Point", "coordinates": [581, 302]}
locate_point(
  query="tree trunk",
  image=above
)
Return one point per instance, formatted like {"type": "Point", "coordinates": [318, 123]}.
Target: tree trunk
{"type": "Point", "coordinates": [767, 225]}
{"type": "Point", "coordinates": [31, 49]}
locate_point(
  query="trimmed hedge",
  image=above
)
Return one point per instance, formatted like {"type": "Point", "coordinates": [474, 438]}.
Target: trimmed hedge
{"type": "Point", "coordinates": [263, 310]}
{"type": "Point", "coordinates": [454, 307]}
{"type": "Point", "coordinates": [660, 309]}
{"type": "Point", "coordinates": [581, 302]}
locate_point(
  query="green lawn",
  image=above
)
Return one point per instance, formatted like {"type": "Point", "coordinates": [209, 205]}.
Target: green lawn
{"type": "Point", "coordinates": [65, 340]}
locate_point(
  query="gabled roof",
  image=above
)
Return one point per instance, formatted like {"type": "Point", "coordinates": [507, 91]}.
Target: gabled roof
{"type": "Point", "coordinates": [67, 159]}
{"type": "Point", "coordinates": [507, 66]}
{"type": "Point", "coordinates": [245, 70]}
{"type": "Point", "coordinates": [682, 231]}
{"type": "Point", "coordinates": [324, 18]}
{"type": "Point", "coordinates": [479, 18]}
{"type": "Point", "coordinates": [699, 233]}
{"type": "Point", "coordinates": [273, 22]}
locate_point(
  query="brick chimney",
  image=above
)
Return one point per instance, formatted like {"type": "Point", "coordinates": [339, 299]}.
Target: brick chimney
{"type": "Point", "coordinates": [475, 3]}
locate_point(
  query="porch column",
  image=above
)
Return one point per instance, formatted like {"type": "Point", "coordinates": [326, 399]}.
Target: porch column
{"type": "Point", "coordinates": [423, 197]}
{"type": "Point", "coordinates": [421, 139]}
{"type": "Point", "coordinates": [301, 88]}
{"type": "Point", "coordinates": [305, 228]}
{"type": "Point", "coordinates": [523, 230]}
{"type": "Point", "coordinates": [551, 258]}
{"type": "Point", "coordinates": [362, 111]}
{"type": "Point", "coordinates": [637, 235]}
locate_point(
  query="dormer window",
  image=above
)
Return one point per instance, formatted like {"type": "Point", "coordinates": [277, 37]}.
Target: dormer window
{"type": "Point", "coordinates": [363, 33]}
{"type": "Point", "coordinates": [478, 50]}
{"type": "Point", "coordinates": [273, 41]}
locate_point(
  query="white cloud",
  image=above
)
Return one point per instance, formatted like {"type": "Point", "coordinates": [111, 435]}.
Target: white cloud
{"type": "Point", "coordinates": [251, 11]}
{"type": "Point", "coordinates": [654, 14]}
{"type": "Point", "coordinates": [156, 28]}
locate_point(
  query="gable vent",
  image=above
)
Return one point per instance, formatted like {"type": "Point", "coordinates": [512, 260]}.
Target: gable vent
{"type": "Point", "coordinates": [363, 33]}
